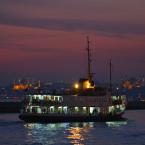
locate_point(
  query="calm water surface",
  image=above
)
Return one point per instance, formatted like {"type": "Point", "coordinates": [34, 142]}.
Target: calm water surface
{"type": "Point", "coordinates": [131, 132]}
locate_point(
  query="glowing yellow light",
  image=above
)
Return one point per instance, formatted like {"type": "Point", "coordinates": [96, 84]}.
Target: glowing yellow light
{"type": "Point", "coordinates": [76, 86]}
{"type": "Point", "coordinates": [87, 85]}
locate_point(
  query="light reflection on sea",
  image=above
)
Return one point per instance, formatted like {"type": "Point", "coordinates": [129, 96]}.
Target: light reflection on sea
{"type": "Point", "coordinates": [130, 132]}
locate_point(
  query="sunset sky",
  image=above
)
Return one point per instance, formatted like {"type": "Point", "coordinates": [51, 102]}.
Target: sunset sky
{"type": "Point", "coordinates": [46, 39]}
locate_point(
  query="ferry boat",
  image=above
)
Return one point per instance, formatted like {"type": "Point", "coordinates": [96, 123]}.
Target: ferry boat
{"type": "Point", "coordinates": [86, 102]}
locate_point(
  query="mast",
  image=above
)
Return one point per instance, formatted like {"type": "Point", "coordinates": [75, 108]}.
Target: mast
{"type": "Point", "coordinates": [89, 59]}
{"type": "Point", "coordinates": [110, 82]}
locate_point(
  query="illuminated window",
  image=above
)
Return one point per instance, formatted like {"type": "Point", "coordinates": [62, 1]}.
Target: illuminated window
{"type": "Point", "coordinates": [111, 109]}
{"type": "Point", "coordinates": [55, 98]}
{"type": "Point", "coordinates": [60, 99]}
{"type": "Point", "coordinates": [65, 109]}
{"type": "Point", "coordinates": [91, 109]}
{"type": "Point", "coordinates": [52, 109]}
{"type": "Point", "coordinates": [60, 109]}
{"type": "Point", "coordinates": [52, 98]}
{"type": "Point", "coordinates": [39, 110]}
{"type": "Point", "coordinates": [84, 108]}
{"type": "Point", "coordinates": [76, 109]}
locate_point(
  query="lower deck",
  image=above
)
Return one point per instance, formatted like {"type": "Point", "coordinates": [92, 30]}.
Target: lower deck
{"type": "Point", "coordinates": [53, 118]}
{"type": "Point", "coordinates": [75, 110]}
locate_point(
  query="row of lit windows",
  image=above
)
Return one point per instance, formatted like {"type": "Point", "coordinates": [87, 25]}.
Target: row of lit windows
{"type": "Point", "coordinates": [118, 97]}
{"type": "Point", "coordinates": [61, 109]}
{"type": "Point", "coordinates": [45, 98]}
{"type": "Point", "coordinates": [116, 108]}
{"type": "Point", "coordinates": [70, 110]}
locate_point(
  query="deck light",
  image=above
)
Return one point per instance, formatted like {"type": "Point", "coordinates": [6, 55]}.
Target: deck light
{"type": "Point", "coordinates": [76, 86]}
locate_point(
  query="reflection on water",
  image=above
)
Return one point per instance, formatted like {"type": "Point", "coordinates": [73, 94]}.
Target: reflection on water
{"type": "Point", "coordinates": [116, 123]}
{"type": "Point", "coordinates": [45, 133]}
{"type": "Point", "coordinates": [45, 127]}
{"type": "Point", "coordinates": [74, 133]}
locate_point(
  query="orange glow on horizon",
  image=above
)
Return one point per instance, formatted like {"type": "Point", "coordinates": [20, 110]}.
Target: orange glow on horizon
{"type": "Point", "coordinates": [21, 86]}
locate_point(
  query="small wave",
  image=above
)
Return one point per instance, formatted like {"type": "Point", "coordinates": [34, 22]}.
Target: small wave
{"type": "Point", "coordinates": [34, 144]}
{"type": "Point", "coordinates": [27, 144]}
{"type": "Point", "coordinates": [138, 134]}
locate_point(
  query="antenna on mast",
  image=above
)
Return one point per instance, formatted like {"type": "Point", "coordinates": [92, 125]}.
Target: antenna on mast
{"type": "Point", "coordinates": [110, 82]}
{"type": "Point", "coordinates": [89, 59]}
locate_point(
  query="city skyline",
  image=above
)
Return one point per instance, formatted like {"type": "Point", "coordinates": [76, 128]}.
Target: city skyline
{"type": "Point", "coordinates": [46, 40]}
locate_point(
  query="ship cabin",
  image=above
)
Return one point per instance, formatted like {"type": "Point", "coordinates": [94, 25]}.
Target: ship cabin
{"type": "Point", "coordinates": [73, 104]}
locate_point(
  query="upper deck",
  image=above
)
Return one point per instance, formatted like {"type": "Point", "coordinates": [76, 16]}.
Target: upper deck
{"type": "Point", "coordinates": [72, 100]}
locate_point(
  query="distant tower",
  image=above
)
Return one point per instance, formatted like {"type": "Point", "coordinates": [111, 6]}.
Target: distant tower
{"type": "Point", "coordinates": [90, 75]}
{"type": "Point", "coordinates": [110, 75]}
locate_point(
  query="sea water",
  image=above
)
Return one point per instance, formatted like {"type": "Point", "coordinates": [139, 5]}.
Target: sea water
{"type": "Point", "coordinates": [131, 132]}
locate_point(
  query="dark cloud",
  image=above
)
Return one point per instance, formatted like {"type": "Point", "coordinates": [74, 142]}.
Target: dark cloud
{"type": "Point", "coordinates": [31, 49]}
{"type": "Point", "coordinates": [40, 49]}
{"type": "Point", "coordinates": [112, 17]}
{"type": "Point", "coordinates": [107, 27]}
{"type": "Point", "coordinates": [26, 48]}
